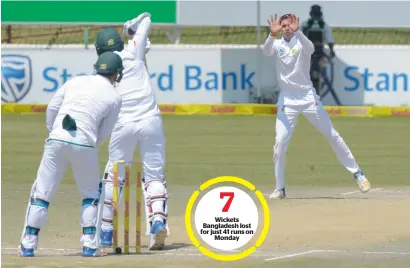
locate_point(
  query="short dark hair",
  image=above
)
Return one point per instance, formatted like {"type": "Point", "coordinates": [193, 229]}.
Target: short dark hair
{"type": "Point", "coordinates": [284, 17]}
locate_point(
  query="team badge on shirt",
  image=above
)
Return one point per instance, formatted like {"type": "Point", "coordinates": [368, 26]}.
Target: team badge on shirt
{"type": "Point", "coordinates": [281, 51]}
{"type": "Point", "coordinates": [294, 50]}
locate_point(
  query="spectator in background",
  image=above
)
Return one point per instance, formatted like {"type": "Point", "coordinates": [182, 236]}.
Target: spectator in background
{"type": "Point", "coordinates": [319, 33]}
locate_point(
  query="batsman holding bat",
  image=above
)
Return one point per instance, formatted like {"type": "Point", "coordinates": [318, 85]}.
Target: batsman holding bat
{"type": "Point", "coordinates": [80, 116]}
{"type": "Point", "coordinates": [139, 123]}
{"type": "Point", "coordinates": [292, 57]}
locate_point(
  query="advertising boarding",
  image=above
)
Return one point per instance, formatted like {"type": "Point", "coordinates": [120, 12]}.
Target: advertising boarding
{"type": "Point", "coordinates": [377, 76]}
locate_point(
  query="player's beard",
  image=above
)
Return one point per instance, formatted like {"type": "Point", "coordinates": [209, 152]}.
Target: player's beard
{"type": "Point", "coordinates": [288, 36]}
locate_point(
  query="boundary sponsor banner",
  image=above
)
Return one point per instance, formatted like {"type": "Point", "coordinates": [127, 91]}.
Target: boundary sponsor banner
{"type": "Point", "coordinates": [232, 109]}
{"type": "Point", "coordinates": [348, 111]}
{"type": "Point", "coordinates": [400, 111]}
{"type": "Point", "coordinates": [85, 12]}
{"type": "Point", "coordinates": [214, 74]}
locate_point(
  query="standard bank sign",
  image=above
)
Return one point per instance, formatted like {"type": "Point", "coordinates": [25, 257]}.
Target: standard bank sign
{"type": "Point", "coordinates": [16, 77]}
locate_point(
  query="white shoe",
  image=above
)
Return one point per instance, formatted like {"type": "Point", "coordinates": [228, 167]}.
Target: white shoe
{"type": "Point", "coordinates": [363, 183]}
{"type": "Point", "coordinates": [278, 194]}
{"type": "Point", "coordinates": [91, 248]}
{"type": "Point", "coordinates": [93, 252]}
{"type": "Point", "coordinates": [158, 235]}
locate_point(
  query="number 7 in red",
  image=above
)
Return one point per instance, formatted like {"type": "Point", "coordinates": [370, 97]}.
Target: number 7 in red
{"type": "Point", "coordinates": [229, 202]}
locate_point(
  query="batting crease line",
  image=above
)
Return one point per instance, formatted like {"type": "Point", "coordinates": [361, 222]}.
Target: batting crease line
{"type": "Point", "coordinates": [335, 251]}
{"type": "Point", "coordinates": [364, 252]}
{"type": "Point", "coordinates": [263, 253]}
{"type": "Point", "coordinates": [355, 192]}
{"type": "Point", "coordinates": [76, 249]}
{"type": "Point", "coordinates": [188, 249]}
{"type": "Point", "coordinates": [292, 255]}
{"type": "Point", "coordinates": [172, 252]}
{"type": "Point", "coordinates": [386, 252]}
{"type": "Point", "coordinates": [145, 255]}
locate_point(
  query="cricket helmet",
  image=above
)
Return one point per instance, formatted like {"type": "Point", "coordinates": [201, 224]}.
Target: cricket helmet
{"type": "Point", "coordinates": [108, 39]}
{"type": "Point", "coordinates": [109, 63]}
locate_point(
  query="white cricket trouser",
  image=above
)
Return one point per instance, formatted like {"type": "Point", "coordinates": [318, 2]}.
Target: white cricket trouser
{"type": "Point", "coordinates": [57, 157]}
{"type": "Point", "coordinates": [148, 133]}
{"type": "Point", "coordinates": [309, 104]}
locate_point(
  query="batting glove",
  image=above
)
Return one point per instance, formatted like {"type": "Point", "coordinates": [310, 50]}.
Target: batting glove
{"type": "Point", "coordinates": [130, 27]}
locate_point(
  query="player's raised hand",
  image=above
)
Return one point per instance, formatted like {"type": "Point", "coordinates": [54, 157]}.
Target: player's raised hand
{"type": "Point", "coordinates": [293, 22]}
{"type": "Point", "coordinates": [274, 25]}
{"type": "Point", "coordinates": [130, 27]}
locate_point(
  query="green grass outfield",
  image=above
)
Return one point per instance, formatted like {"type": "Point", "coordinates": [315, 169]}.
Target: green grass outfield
{"type": "Point", "coordinates": [315, 216]}
{"type": "Point", "coordinates": [201, 147]}
{"type": "Point", "coordinates": [60, 34]}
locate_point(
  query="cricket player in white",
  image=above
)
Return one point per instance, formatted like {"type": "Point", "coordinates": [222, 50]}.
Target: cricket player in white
{"type": "Point", "coordinates": [139, 123]}
{"type": "Point", "coordinates": [292, 56]}
{"type": "Point", "coordinates": [80, 117]}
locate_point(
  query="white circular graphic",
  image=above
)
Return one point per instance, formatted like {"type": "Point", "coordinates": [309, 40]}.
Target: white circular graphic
{"type": "Point", "coordinates": [226, 218]}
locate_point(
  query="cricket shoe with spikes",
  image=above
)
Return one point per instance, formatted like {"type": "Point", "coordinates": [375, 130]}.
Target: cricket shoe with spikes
{"type": "Point", "coordinates": [278, 194]}
{"type": "Point", "coordinates": [26, 252]}
{"type": "Point", "coordinates": [158, 235]}
{"type": "Point", "coordinates": [362, 182]}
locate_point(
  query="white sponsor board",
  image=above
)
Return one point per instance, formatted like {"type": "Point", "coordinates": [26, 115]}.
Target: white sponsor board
{"type": "Point", "coordinates": [204, 74]}
{"type": "Point", "coordinates": [372, 75]}
{"type": "Point", "coordinates": [188, 75]}
{"type": "Point", "coordinates": [211, 74]}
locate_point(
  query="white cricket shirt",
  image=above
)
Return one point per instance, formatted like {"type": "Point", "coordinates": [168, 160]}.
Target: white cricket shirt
{"type": "Point", "coordinates": [138, 98]}
{"type": "Point", "coordinates": [92, 102]}
{"type": "Point", "coordinates": [292, 62]}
